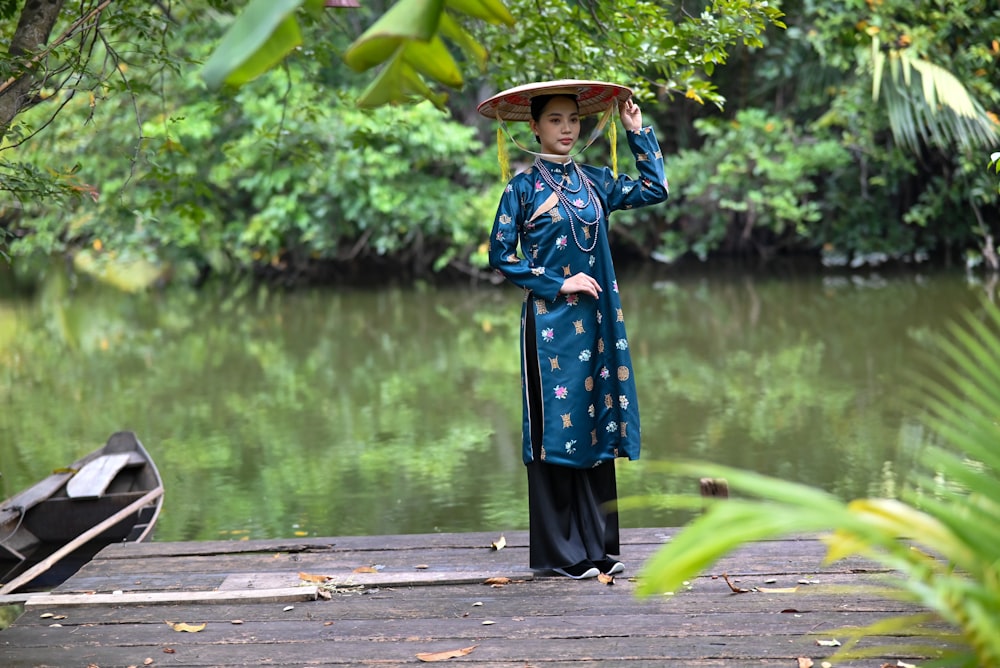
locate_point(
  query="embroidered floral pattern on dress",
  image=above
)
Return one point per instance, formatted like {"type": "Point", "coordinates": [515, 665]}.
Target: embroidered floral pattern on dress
{"type": "Point", "coordinates": [595, 396]}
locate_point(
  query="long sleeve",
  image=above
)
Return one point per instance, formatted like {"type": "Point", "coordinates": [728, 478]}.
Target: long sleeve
{"type": "Point", "coordinates": [521, 271]}
{"type": "Point", "coordinates": [651, 187]}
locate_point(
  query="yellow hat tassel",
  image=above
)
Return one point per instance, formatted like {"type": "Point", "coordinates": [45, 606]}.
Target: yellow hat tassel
{"type": "Point", "coordinates": [502, 156]}
{"type": "Point", "coordinates": [613, 140]}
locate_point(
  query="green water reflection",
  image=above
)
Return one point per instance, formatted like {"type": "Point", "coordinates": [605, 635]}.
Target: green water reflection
{"type": "Point", "coordinates": [396, 410]}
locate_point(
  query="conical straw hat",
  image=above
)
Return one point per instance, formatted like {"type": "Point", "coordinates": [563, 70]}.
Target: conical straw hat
{"type": "Point", "coordinates": [592, 97]}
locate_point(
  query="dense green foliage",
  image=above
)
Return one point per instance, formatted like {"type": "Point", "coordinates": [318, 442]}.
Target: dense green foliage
{"type": "Point", "coordinates": [841, 136]}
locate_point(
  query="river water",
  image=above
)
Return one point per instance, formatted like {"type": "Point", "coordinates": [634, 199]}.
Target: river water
{"type": "Point", "coordinates": [323, 412]}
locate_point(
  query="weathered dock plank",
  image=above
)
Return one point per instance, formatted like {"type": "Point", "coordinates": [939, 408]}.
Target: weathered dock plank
{"type": "Point", "coordinates": [426, 594]}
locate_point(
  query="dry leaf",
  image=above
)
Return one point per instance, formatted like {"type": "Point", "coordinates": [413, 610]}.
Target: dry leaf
{"type": "Point", "coordinates": [778, 590]}
{"type": "Point", "coordinates": [421, 567]}
{"type": "Point", "coordinates": [499, 543]}
{"type": "Point", "coordinates": [736, 590]}
{"type": "Point", "coordinates": [169, 650]}
{"type": "Point", "coordinates": [365, 569]}
{"type": "Point", "coordinates": [236, 621]}
{"type": "Point", "coordinates": [55, 626]}
{"type": "Point", "coordinates": [488, 622]}
{"type": "Point", "coordinates": [46, 615]}
{"type": "Point", "coordinates": [287, 608]}
{"type": "Point", "coordinates": [183, 627]}
{"type": "Point", "coordinates": [444, 656]}
{"type": "Point", "coordinates": [805, 662]}
{"type": "Point", "coordinates": [605, 578]}
{"type": "Point", "coordinates": [901, 664]}
{"type": "Point", "coordinates": [497, 581]}
{"type": "Point", "coordinates": [308, 577]}
{"type": "Point", "coordinates": [828, 643]}
{"type": "Point", "coordinates": [148, 661]}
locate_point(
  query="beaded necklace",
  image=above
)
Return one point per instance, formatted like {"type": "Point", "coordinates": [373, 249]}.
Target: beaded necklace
{"type": "Point", "coordinates": [573, 207]}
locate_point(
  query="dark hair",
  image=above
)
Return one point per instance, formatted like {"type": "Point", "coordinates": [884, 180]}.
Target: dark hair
{"type": "Point", "coordinates": [539, 101]}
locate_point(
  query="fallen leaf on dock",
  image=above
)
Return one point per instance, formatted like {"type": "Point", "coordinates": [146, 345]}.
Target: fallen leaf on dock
{"type": "Point", "coordinates": [184, 627]}
{"type": "Point", "coordinates": [777, 590]}
{"type": "Point", "coordinates": [365, 569]}
{"type": "Point", "coordinates": [828, 643]}
{"type": "Point", "coordinates": [421, 567]}
{"type": "Point", "coordinates": [499, 543]}
{"type": "Point", "coordinates": [444, 656]}
{"type": "Point", "coordinates": [736, 590]}
{"type": "Point", "coordinates": [604, 578]}
{"type": "Point", "coordinates": [497, 581]}
{"type": "Point", "coordinates": [309, 577]}
{"type": "Point", "coordinates": [805, 662]}
{"type": "Point", "coordinates": [148, 661]}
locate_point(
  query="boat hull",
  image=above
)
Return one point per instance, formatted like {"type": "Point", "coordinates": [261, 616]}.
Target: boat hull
{"type": "Point", "coordinates": [48, 531]}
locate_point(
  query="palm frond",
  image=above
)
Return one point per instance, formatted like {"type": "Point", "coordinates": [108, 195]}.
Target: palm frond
{"type": "Point", "coordinates": [942, 538]}
{"type": "Point", "coordinates": [927, 104]}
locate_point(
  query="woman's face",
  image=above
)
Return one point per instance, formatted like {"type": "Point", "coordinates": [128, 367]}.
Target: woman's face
{"type": "Point", "coordinates": [558, 126]}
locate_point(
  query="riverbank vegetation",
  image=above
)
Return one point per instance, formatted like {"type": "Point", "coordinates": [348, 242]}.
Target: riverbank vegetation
{"type": "Point", "coordinates": [853, 132]}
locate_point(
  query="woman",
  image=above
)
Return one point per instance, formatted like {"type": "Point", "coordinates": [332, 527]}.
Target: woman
{"type": "Point", "coordinates": [580, 410]}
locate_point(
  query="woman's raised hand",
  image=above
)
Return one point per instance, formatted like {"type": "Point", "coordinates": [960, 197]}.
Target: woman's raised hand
{"type": "Point", "coordinates": [630, 114]}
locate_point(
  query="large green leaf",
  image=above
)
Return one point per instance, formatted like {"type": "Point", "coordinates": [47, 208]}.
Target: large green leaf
{"type": "Point", "coordinates": [493, 11]}
{"type": "Point", "coordinates": [454, 31]}
{"type": "Point", "coordinates": [260, 37]}
{"type": "Point", "coordinates": [433, 59]}
{"type": "Point", "coordinates": [398, 82]}
{"type": "Point", "coordinates": [407, 20]}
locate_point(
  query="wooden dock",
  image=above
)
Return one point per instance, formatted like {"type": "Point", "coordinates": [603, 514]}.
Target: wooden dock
{"type": "Point", "coordinates": [401, 600]}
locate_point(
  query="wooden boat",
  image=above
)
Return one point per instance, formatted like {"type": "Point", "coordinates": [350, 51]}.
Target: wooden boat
{"type": "Point", "coordinates": [111, 495]}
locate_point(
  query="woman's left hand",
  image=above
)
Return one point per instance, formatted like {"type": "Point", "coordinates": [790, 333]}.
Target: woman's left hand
{"type": "Point", "coordinates": [630, 114]}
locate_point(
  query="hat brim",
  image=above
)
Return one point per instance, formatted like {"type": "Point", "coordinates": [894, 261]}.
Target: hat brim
{"type": "Point", "coordinates": [592, 97]}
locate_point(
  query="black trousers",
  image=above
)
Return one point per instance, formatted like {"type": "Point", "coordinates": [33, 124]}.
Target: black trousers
{"type": "Point", "coordinates": [571, 511]}
{"type": "Point", "coordinates": [569, 517]}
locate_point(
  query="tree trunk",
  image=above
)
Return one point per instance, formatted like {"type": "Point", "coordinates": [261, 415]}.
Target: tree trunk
{"type": "Point", "coordinates": [32, 34]}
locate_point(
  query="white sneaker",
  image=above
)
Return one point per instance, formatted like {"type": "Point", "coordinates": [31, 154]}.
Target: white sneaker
{"type": "Point", "coordinates": [591, 572]}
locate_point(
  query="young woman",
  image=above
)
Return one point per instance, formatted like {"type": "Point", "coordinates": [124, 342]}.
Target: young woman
{"type": "Point", "coordinates": [580, 410]}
